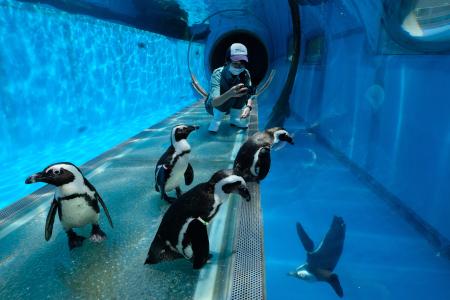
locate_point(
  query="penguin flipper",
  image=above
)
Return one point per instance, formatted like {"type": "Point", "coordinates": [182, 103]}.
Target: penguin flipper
{"type": "Point", "coordinates": [99, 199]}
{"type": "Point", "coordinates": [263, 163]}
{"type": "Point", "coordinates": [169, 254]}
{"type": "Point", "coordinates": [330, 250]}
{"type": "Point", "coordinates": [336, 285]}
{"type": "Point", "coordinates": [189, 175]}
{"type": "Point", "coordinates": [198, 234]}
{"type": "Point", "coordinates": [50, 219]}
{"type": "Point", "coordinates": [161, 177]}
{"type": "Point", "coordinates": [307, 243]}
{"type": "Point", "coordinates": [243, 161]}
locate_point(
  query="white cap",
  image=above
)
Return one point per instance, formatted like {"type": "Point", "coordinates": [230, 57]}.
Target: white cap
{"type": "Point", "coordinates": [238, 52]}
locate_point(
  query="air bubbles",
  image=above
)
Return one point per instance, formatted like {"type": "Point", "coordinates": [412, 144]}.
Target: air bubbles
{"type": "Point", "coordinates": [375, 96]}
{"type": "Point", "coordinates": [310, 158]}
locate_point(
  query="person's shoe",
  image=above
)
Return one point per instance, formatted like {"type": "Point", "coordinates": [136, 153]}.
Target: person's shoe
{"type": "Point", "coordinates": [215, 122]}
{"type": "Point", "coordinates": [214, 126]}
{"type": "Point", "coordinates": [235, 119]}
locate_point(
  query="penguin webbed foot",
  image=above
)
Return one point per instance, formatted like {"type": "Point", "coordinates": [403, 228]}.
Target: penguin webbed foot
{"type": "Point", "coordinates": [336, 285]}
{"type": "Point", "coordinates": [199, 263]}
{"type": "Point", "coordinates": [97, 235]}
{"type": "Point", "coordinates": [179, 192]}
{"type": "Point", "coordinates": [169, 199]}
{"type": "Point", "coordinates": [75, 240]}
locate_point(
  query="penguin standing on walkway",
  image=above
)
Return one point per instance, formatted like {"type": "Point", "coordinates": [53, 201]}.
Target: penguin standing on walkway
{"type": "Point", "coordinates": [320, 262]}
{"type": "Point", "coordinates": [76, 201]}
{"type": "Point", "coordinates": [174, 163]}
{"type": "Point", "coordinates": [253, 159]}
{"type": "Point", "coordinates": [183, 232]}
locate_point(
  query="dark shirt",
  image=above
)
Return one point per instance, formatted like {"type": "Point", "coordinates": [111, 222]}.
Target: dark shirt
{"type": "Point", "coordinates": [222, 80]}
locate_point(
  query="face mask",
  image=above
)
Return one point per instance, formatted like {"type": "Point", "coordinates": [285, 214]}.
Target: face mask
{"type": "Point", "coordinates": [236, 71]}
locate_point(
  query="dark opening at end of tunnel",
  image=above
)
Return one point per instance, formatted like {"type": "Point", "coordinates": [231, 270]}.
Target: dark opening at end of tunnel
{"type": "Point", "coordinates": [258, 59]}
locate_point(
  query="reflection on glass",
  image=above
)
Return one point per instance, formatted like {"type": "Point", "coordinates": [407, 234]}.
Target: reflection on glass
{"type": "Point", "coordinates": [428, 20]}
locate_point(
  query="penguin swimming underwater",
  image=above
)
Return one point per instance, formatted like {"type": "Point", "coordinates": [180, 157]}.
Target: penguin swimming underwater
{"type": "Point", "coordinates": [320, 262]}
{"type": "Point", "coordinates": [76, 201]}
{"type": "Point", "coordinates": [253, 159]}
{"type": "Point", "coordinates": [182, 232]}
{"type": "Point", "coordinates": [174, 164]}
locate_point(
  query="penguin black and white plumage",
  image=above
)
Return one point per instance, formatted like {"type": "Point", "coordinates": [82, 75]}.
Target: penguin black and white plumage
{"type": "Point", "coordinates": [174, 164]}
{"type": "Point", "coordinates": [320, 262]}
{"type": "Point", "coordinates": [76, 200]}
{"type": "Point", "coordinates": [252, 161]}
{"type": "Point", "coordinates": [183, 229]}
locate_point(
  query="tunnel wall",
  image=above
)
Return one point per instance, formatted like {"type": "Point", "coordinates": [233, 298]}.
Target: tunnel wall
{"type": "Point", "coordinates": [70, 79]}
{"type": "Point", "coordinates": [386, 108]}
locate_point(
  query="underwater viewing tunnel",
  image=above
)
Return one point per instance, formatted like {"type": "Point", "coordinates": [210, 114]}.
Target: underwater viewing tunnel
{"type": "Point", "coordinates": [179, 149]}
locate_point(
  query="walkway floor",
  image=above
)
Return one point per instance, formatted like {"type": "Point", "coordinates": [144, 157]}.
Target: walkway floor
{"type": "Point", "coordinates": [32, 268]}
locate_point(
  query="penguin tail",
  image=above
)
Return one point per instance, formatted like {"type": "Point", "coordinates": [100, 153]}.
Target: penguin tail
{"type": "Point", "coordinates": [336, 285]}
{"type": "Point", "coordinates": [154, 253]}
{"type": "Point", "coordinates": [151, 260]}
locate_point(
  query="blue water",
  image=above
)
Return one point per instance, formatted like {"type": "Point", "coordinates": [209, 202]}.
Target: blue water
{"type": "Point", "coordinates": [372, 103]}
{"type": "Point", "coordinates": [383, 256]}
{"type": "Point", "coordinates": [74, 86]}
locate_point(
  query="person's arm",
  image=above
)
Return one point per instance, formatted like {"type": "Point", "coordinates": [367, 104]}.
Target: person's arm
{"type": "Point", "coordinates": [248, 108]}
{"type": "Point", "coordinates": [217, 99]}
{"type": "Point", "coordinates": [236, 91]}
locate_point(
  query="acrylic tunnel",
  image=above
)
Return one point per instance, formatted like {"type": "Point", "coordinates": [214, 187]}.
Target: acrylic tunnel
{"type": "Point", "coordinates": [336, 184]}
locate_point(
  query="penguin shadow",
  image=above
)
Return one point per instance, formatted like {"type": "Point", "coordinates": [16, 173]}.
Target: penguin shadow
{"type": "Point", "coordinates": [185, 265]}
{"type": "Point", "coordinates": [169, 266]}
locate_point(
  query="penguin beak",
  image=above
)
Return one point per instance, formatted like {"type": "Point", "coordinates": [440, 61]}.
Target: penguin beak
{"type": "Point", "coordinates": [192, 128]}
{"type": "Point", "coordinates": [38, 177]}
{"type": "Point", "coordinates": [292, 273]}
{"type": "Point", "coordinates": [189, 129]}
{"type": "Point", "coordinates": [288, 139]}
{"type": "Point", "coordinates": [244, 192]}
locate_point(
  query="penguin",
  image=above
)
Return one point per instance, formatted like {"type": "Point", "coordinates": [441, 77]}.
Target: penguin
{"type": "Point", "coordinates": [183, 229]}
{"type": "Point", "coordinates": [75, 199]}
{"type": "Point", "coordinates": [174, 164]}
{"type": "Point", "coordinates": [320, 262]}
{"type": "Point", "coordinates": [252, 161]}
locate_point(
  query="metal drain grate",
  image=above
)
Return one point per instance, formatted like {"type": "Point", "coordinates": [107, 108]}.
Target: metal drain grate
{"type": "Point", "coordinates": [248, 276]}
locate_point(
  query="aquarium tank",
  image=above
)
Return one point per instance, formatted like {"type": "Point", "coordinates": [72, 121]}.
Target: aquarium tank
{"type": "Point", "coordinates": [259, 149]}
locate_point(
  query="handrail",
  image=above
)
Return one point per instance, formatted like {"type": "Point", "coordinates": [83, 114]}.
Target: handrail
{"type": "Point", "coordinates": [196, 85]}
{"type": "Point", "coordinates": [266, 84]}
{"type": "Point", "coordinates": [281, 109]}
